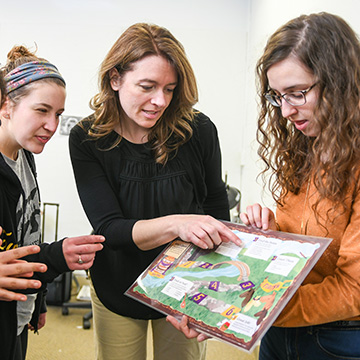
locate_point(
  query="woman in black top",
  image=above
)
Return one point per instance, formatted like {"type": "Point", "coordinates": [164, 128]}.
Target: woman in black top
{"type": "Point", "coordinates": [143, 162]}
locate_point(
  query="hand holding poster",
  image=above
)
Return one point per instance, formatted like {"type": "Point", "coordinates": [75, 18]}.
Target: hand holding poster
{"type": "Point", "coordinates": [231, 293]}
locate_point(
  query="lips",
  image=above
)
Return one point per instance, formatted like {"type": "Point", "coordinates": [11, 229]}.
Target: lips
{"type": "Point", "coordinates": [43, 139]}
{"type": "Point", "coordinates": [151, 115]}
{"type": "Point", "coordinates": [301, 125]}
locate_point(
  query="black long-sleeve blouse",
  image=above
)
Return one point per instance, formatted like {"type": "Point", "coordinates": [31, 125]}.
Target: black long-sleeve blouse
{"type": "Point", "coordinates": [120, 186]}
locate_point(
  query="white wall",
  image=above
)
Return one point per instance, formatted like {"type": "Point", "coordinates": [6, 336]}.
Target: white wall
{"type": "Point", "coordinates": [223, 40]}
{"type": "Point", "coordinates": [76, 34]}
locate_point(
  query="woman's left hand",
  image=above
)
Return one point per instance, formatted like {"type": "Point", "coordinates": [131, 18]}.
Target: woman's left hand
{"type": "Point", "coordinates": [79, 252]}
{"type": "Point", "coordinates": [185, 329]}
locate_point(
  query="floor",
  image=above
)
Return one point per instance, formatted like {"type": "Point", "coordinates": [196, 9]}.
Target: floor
{"type": "Point", "coordinates": [63, 338]}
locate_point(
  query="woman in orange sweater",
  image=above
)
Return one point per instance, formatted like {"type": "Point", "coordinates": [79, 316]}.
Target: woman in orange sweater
{"type": "Point", "coordinates": [309, 135]}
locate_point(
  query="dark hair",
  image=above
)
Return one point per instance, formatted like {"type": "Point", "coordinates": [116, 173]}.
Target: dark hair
{"type": "Point", "coordinates": [137, 42]}
{"type": "Point", "coordinates": [330, 49]}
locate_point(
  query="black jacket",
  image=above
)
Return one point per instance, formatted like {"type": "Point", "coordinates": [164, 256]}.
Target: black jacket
{"type": "Point", "coordinates": [50, 254]}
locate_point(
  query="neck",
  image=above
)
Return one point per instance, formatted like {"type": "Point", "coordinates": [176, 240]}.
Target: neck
{"type": "Point", "coordinates": [136, 137]}
{"type": "Point", "coordinates": [8, 147]}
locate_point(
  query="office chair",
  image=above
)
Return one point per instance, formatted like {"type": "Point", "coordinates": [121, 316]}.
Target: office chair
{"type": "Point", "coordinates": [80, 304]}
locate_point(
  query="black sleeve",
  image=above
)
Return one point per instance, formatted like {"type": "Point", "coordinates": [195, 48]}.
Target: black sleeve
{"type": "Point", "coordinates": [51, 255]}
{"type": "Point", "coordinates": [97, 193]}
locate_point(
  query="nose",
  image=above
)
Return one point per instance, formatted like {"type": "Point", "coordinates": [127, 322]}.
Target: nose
{"type": "Point", "coordinates": [159, 99]}
{"type": "Point", "coordinates": [287, 110]}
{"type": "Point", "coordinates": [51, 123]}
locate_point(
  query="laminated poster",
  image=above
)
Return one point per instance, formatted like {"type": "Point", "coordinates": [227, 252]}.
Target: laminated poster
{"type": "Point", "coordinates": [230, 293]}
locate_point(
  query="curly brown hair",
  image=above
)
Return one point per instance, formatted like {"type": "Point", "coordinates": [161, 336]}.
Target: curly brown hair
{"type": "Point", "coordinates": [330, 49]}
{"type": "Point", "coordinates": [137, 42]}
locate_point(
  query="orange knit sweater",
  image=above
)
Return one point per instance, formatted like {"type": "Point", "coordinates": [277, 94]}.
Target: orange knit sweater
{"type": "Point", "coordinates": [331, 291]}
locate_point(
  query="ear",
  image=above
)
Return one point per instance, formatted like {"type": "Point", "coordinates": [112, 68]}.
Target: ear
{"type": "Point", "coordinates": [114, 79]}
{"type": "Point", "coordinates": [5, 110]}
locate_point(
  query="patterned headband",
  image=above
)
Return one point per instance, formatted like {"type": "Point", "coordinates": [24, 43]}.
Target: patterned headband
{"type": "Point", "coordinates": [29, 72]}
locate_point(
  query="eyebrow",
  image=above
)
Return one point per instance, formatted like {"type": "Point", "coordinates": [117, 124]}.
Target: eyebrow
{"type": "Point", "coordinates": [291, 88]}
{"type": "Point", "coordinates": [155, 82]}
{"type": "Point", "coordinates": [47, 106]}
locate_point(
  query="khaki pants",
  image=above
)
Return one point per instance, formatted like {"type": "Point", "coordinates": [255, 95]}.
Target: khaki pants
{"type": "Point", "coordinates": [118, 337]}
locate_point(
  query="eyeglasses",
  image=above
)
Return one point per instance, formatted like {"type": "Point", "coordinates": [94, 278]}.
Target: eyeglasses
{"type": "Point", "coordinates": [295, 98]}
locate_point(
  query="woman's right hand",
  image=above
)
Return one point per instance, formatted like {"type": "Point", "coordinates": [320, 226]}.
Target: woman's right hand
{"type": "Point", "coordinates": [204, 231]}
{"type": "Point", "coordinates": [260, 217]}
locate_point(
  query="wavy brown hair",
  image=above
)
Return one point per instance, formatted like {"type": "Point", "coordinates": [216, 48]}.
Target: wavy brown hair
{"type": "Point", "coordinates": [137, 42]}
{"type": "Point", "coordinates": [330, 49]}
{"type": "Point", "coordinates": [2, 91]}
{"type": "Point", "coordinates": [17, 56]}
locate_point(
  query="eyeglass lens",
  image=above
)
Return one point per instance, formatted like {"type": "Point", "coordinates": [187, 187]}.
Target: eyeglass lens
{"type": "Point", "coordinates": [296, 98]}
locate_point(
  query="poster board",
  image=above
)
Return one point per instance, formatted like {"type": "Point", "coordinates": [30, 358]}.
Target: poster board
{"type": "Point", "coordinates": [231, 293]}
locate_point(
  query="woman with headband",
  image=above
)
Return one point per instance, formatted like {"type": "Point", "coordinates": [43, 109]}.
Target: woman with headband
{"type": "Point", "coordinates": [29, 117]}
{"type": "Point", "coordinates": [12, 271]}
